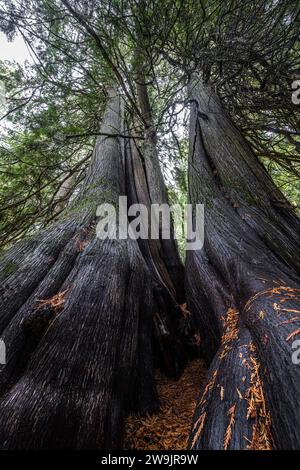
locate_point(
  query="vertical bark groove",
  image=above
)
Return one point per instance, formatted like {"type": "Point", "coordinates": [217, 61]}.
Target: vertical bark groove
{"type": "Point", "coordinates": [247, 266]}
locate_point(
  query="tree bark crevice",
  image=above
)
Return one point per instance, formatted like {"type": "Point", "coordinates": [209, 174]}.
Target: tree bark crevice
{"type": "Point", "coordinates": [256, 270]}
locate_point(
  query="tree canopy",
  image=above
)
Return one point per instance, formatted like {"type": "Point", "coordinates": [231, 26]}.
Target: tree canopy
{"type": "Point", "coordinates": [248, 50]}
{"type": "Point", "coordinates": [154, 101]}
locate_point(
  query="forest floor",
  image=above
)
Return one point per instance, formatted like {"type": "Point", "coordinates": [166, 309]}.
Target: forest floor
{"type": "Point", "coordinates": [170, 427]}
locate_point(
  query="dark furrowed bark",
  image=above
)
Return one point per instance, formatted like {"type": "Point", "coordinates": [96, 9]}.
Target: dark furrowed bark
{"type": "Point", "coordinates": [143, 398]}
{"type": "Point", "coordinates": [138, 194]}
{"type": "Point", "coordinates": [242, 263]}
{"type": "Point", "coordinates": [77, 352]}
{"type": "Point", "coordinates": [273, 317]}
{"type": "Point", "coordinates": [247, 186]}
{"type": "Point", "coordinates": [208, 296]}
{"type": "Point", "coordinates": [171, 330]}
{"type": "Point", "coordinates": [22, 272]}
{"type": "Point", "coordinates": [224, 401]}
{"type": "Point", "coordinates": [65, 393]}
{"type": "Point", "coordinates": [157, 189]}
{"type": "Point", "coordinates": [24, 266]}
{"type": "Point", "coordinates": [28, 325]}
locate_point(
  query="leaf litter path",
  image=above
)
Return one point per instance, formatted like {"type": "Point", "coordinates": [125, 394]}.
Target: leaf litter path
{"type": "Point", "coordinates": [168, 429]}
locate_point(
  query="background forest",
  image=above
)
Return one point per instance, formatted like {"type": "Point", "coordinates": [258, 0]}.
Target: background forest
{"type": "Point", "coordinates": [54, 105]}
{"type": "Point", "coordinates": [164, 102]}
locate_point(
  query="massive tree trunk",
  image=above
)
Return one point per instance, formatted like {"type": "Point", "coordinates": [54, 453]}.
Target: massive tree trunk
{"type": "Point", "coordinates": [81, 316]}
{"type": "Point", "coordinates": [157, 188]}
{"type": "Point", "coordinates": [243, 289]}
{"type": "Point", "coordinates": [173, 334]}
{"type": "Point", "coordinates": [76, 317]}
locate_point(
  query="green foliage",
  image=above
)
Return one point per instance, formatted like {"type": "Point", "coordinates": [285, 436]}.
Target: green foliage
{"type": "Point", "coordinates": [249, 51]}
{"type": "Point", "coordinates": [287, 183]}
{"type": "Point", "coordinates": [37, 151]}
